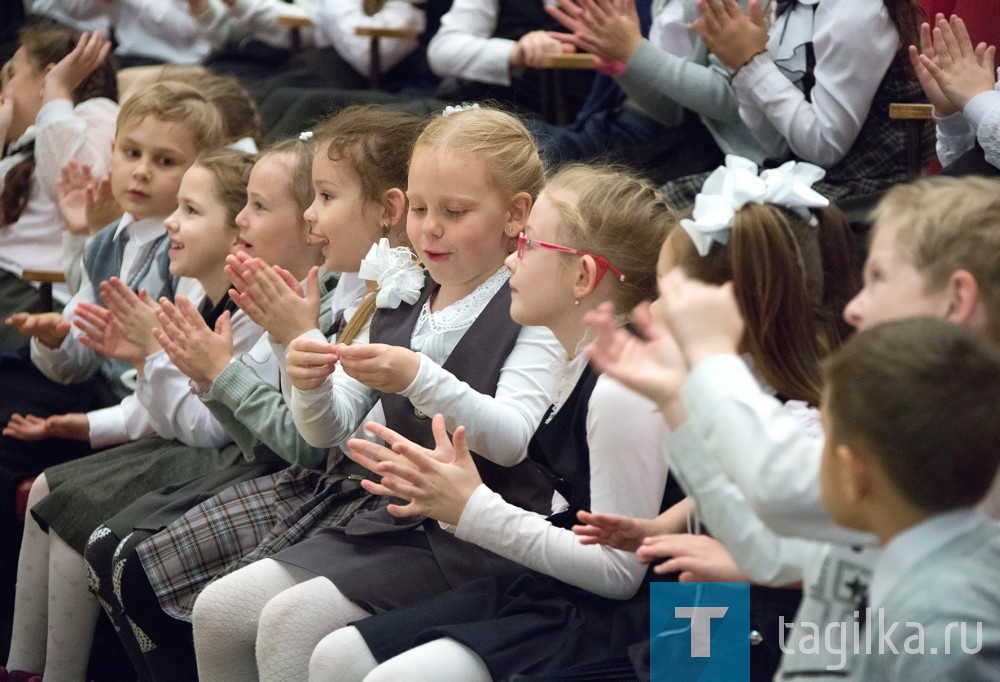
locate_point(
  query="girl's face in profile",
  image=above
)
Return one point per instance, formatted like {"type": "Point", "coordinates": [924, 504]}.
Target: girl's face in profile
{"type": "Point", "coordinates": [22, 87]}
{"type": "Point", "coordinates": [199, 230]}
{"type": "Point", "coordinates": [271, 224]}
{"type": "Point", "coordinates": [340, 218]}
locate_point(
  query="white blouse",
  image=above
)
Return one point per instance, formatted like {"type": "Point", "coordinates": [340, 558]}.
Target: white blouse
{"type": "Point", "coordinates": [498, 427]}
{"type": "Point", "coordinates": [464, 46]}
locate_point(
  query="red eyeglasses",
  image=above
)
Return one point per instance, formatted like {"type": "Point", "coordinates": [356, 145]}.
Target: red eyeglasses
{"type": "Point", "coordinates": [603, 264]}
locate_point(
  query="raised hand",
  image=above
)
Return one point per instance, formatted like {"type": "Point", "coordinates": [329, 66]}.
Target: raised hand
{"type": "Point", "coordinates": [437, 483]}
{"type": "Point", "coordinates": [73, 426]}
{"type": "Point", "coordinates": [201, 353]}
{"type": "Point", "coordinates": [942, 105]}
{"type": "Point", "coordinates": [308, 362]}
{"type": "Point", "coordinates": [612, 530]}
{"type": "Point", "coordinates": [960, 70]}
{"type": "Point", "coordinates": [704, 319]}
{"type": "Point", "coordinates": [609, 30]}
{"type": "Point", "coordinates": [63, 78]}
{"type": "Point", "coordinates": [698, 558]}
{"type": "Point", "coordinates": [136, 314]}
{"type": "Point", "coordinates": [533, 46]}
{"type": "Point", "coordinates": [271, 297]}
{"type": "Point", "coordinates": [732, 36]}
{"type": "Point", "coordinates": [380, 366]}
{"type": "Point", "coordinates": [651, 365]}
{"type": "Point", "coordinates": [49, 328]}
{"type": "Point", "coordinates": [72, 187]}
{"type": "Point", "coordinates": [102, 332]}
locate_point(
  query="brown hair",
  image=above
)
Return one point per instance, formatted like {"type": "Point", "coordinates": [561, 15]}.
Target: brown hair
{"type": "Point", "coordinates": [499, 139]}
{"type": "Point", "coordinates": [783, 278]}
{"type": "Point", "coordinates": [376, 142]}
{"type": "Point", "coordinates": [613, 213]}
{"type": "Point", "coordinates": [947, 224]}
{"type": "Point", "coordinates": [47, 42]}
{"type": "Point", "coordinates": [176, 102]}
{"type": "Point", "coordinates": [300, 168]}
{"type": "Point", "coordinates": [231, 170]}
{"type": "Point", "coordinates": [920, 396]}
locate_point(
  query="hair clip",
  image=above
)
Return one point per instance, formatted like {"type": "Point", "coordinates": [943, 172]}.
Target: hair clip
{"type": "Point", "coordinates": [455, 108]}
{"type": "Point", "coordinates": [306, 135]}
{"type": "Point", "coordinates": [732, 186]}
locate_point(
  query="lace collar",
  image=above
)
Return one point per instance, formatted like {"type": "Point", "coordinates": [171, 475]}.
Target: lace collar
{"type": "Point", "coordinates": [462, 313]}
{"type": "Point", "coordinates": [790, 35]}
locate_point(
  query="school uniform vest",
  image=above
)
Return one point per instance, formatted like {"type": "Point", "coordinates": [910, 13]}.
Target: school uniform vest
{"type": "Point", "coordinates": [103, 259]}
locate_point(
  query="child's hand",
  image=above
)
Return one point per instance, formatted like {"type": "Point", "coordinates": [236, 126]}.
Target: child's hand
{"type": "Point", "coordinates": [612, 530]}
{"type": "Point", "coordinates": [651, 366]}
{"type": "Point", "coordinates": [72, 426]}
{"type": "Point", "coordinates": [308, 363]}
{"type": "Point", "coordinates": [273, 298]}
{"type": "Point", "coordinates": [380, 366]}
{"type": "Point", "coordinates": [532, 46]}
{"type": "Point", "coordinates": [698, 558]}
{"type": "Point", "coordinates": [704, 319]}
{"type": "Point", "coordinates": [960, 70]}
{"type": "Point", "coordinates": [196, 350]}
{"type": "Point", "coordinates": [942, 105]}
{"type": "Point", "coordinates": [729, 34]}
{"type": "Point", "coordinates": [49, 328]}
{"type": "Point", "coordinates": [136, 314]}
{"type": "Point", "coordinates": [197, 7]}
{"type": "Point", "coordinates": [63, 78]}
{"type": "Point", "coordinates": [437, 483]}
{"type": "Point", "coordinates": [6, 115]}
{"type": "Point", "coordinates": [102, 209]}
{"type": "Point", "coordinates": [85, 205]}
{"type": "Point", "coordinates": [103, 333]}
{"type": "Point", "coordinates": [609, 30]}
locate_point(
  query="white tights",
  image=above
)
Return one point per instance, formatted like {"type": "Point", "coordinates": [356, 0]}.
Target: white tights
{"type": "Point", "coordinates": [54, 612]}
{"type": "Point", "coordinates": [344, 656]}
{"type": "Point", "coordinates": [281, 609]}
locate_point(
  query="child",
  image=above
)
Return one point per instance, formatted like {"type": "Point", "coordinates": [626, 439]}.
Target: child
{"type": "Point", "coordinates": [253, 410]}
{"type": "Point", "coordinates": [72, 119]}
{"type": "Point", "coordinates": [472, 180]}
{"type": "Point", "coordinates": [788, 74]}
{"type": "Point", "coordinates": [912, 443]}
{"type": "Point", "coordinates": [960, 82]}
{"type": "Point", "coordinates": [591, 237]}
{"type": "Point", "coordinates": [201, 235]}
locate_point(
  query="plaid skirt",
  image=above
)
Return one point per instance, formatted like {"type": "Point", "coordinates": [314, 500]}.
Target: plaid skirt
{"type": "Point", "coordinates": [247, 522]}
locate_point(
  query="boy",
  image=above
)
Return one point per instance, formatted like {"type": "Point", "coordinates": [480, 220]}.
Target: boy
{"type": "Point", "coordinates": [912, 445]}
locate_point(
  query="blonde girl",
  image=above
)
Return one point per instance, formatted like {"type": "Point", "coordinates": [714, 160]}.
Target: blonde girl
{"type": "Point", "coordinates": [472, 179]}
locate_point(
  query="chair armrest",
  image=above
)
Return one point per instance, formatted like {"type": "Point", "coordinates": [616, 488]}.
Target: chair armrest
{"type": "Point", "coordinates": [372, 32]}
{"type": "Point", "coordinates": [574, 60]}
{"type": "Point", "coordinates": [55, 277]}
{"type": "Point", "coordinates": [295, 21]}
{"type": "Point", "coordinates": [911, 112]}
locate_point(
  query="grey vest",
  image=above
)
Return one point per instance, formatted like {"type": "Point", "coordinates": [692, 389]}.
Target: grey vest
{"type": "Point", "coordinates": [103, 259]}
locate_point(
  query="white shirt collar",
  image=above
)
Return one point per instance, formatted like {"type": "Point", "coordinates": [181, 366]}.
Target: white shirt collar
{"type": "Point", "coordinates": [141, 231]}
{"type": "Point", "coordinates": [908, 548]}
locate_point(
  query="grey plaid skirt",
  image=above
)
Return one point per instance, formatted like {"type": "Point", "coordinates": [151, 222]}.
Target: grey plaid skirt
{"type": "Point", "coordinates": [247, 522]}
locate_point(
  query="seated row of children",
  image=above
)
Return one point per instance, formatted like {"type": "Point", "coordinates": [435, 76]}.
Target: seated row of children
{"type": "Point", "coordinates": [446, 219]}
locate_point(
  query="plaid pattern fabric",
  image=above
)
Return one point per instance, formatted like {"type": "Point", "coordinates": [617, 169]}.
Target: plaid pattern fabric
{"type": "Point", "coordinates": [249, 521]}
{"type": "Point", "coordinates": [876, 160]}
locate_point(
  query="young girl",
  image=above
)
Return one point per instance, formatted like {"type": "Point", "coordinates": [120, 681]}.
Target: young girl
{"type": "Point", "coordinates": [57, 104]}
{"type": "Point", "coordinates": [593, 235]}
{"type": "Point", "coordinates": [787, 71]}
{"type": "Point", "coordinates": [253, 409]}
{"type": "Point", "coordinates": [85, 492]}
{"type": "Point", "coordinates": [472, 180]}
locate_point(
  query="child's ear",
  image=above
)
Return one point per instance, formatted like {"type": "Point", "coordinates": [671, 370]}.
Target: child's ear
{"type": "Point", "coordinates": [855, 473]}
{"type": "Point", "coordinates": [586, 277]}
{"type": "Point", "coordinates": [964, 303]}
{"type": "Point", "coordinates": [517, 216]}
{"type": "Point", "coordinates": [393, 207]}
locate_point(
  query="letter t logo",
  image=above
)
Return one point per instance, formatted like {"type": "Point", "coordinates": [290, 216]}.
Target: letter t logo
{"type": "Point", "coordinates": [701, 626]}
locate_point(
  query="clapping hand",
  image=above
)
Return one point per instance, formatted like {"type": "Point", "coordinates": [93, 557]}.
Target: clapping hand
{"type": "Point", "coordinates": [195, 349]}
{"type": "Point", "coordinates": [271, 296]}
{"type": "Point", "coordinates": [608, 30]}
{"type": "Point", "coordinates": [730, 34]}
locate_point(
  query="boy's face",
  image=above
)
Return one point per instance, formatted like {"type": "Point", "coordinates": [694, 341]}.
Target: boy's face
{"type": "Point", "coordinates": [149, 160]}
{"type": "Point", "coordinates": [894, 289]}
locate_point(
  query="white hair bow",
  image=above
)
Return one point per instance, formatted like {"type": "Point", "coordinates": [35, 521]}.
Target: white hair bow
{"type": "Point", "coordinates": [396, 271]}
{"type": "Point", "coordinates": [737, 183]}
{"type": "Point", "coordinates": [455, 108]}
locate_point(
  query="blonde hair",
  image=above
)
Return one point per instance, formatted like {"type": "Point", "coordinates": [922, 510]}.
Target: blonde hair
{"type": "Point", "coordinates": [230, 170]}
{"type": "Point", "coordinates": [784, 273]}
{"type": "Point", "coordinates": [299, 168]}
{"type": "Point", "coordinates": [614, 213]}
{"type": "Point", "coordinates": [497, 138]}
{"type": "Point", "coordinates": [947, 224]}
{"type": "Point", "coordinates": [176, 102]}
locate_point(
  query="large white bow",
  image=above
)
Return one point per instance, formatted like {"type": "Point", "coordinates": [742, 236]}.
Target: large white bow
{"type": "Point", "coordinates": [737, 183]}
{"type": "Point", "coordinates": [396, 271]}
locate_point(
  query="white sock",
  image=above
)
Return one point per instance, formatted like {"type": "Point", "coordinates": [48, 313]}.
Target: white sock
{"type": "Point", "coordinates": [226, 613]}
{"type": "Point", "coordinates": [442, 659]}
{"type": "Point", "coordinates": [31, 599]}
{"type": "Point", "coordinates": [293, 623]}
{"type": "Point", "coordinates": [342, 655]}
{"type": "Point", "coordinates": [73, 612]}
